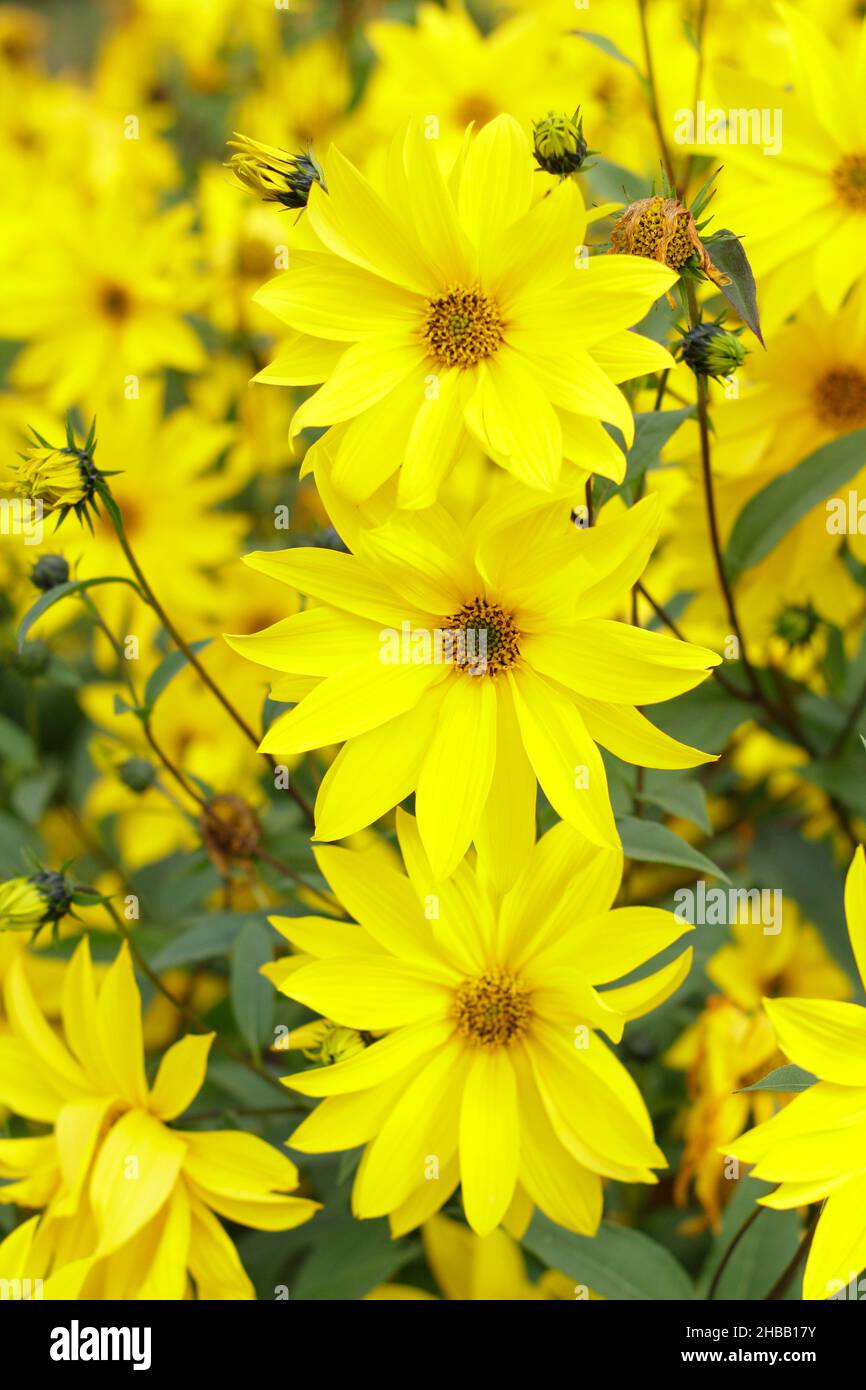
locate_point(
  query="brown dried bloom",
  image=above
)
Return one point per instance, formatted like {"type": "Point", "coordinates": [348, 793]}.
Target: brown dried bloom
{"type": "Point", "coordinates": [663, 229]}
{"type": "Point", "coordinates": [230, 829]}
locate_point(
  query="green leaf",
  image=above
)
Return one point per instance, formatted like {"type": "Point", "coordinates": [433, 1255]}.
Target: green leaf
{"type": "Point", "coordinates": [167, 669]}
{"type": "Point", "coordinates": [761, 1256]}
{"type": "Point", "coordinates": [205, 938]}
{"type": "Point", "coordinates": [32, 793]}
{"type": "Point", "coordinates": [653, 429]}
{"type": "Point", "coordinates": [788, 1079]}
{"type": "Point", "coordinates": [618, 1262]}
{"type": "Point", "coordinates": [703, 718]}
{"type": "Point", "coordinates": [349, 1259]}
{"type": "Point", "coordinates": [252, 995]}
{"type": "Point", "coordinates": [726, 252]}
{"type": "Point", "coordinates": [72, 586]}
{"type": "Point", "coordinates": [653, 843]}
{"type": "Point", "coordinates": [771, 513]}
{"type": "Point", "coordinates": [606, 45]}
{"type": "Point", "coordinates": [677, 795]}
{"type": "Point", "coordinates": [16, 746]}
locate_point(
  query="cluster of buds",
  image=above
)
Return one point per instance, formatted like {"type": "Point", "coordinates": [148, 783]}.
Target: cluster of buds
{"type": "Point", "coordinates": [559, 146]}
{"type": "Point", "coordinates": [273, 174]}
{"type": "Point", "coordinates": [27, 904]}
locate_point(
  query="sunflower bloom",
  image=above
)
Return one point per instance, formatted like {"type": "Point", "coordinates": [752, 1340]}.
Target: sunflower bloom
{"type": "Point", "coordinates": [128, 1203]}
{"type": "Point", "coordinates": [464, 664]}
{"type": "Point", "coordinates": [492, 1072]}
{"type": "Point", "coordinates": [452, 310]}
{"type": "Point", "coordinates": [815, 1148]}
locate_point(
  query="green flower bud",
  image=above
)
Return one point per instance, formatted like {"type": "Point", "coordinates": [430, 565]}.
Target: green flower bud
{"type": "Point", "coordinates": [558, 143]}
{"type": "Point", "coordinates": [137, 773]}
{"type": "Point", "coordinates": [711, 350]}
{"type": "Point", "coordinates": [273, 174]}
{"type": "Point", "coordinates": [29, 903]}
{"type": "Point", "coordinates": [49, 571]}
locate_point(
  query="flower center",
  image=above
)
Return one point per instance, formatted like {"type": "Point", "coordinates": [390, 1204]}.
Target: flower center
{"type": "Point", "coordinates": [491, 1010]}
{"type": "Point", "coordinates": [849, 180]}
{"type": "Point", "coordinates": [115, 301]}
{"type": "Point", "coordinates": [840, 398]}
{"type": "Point", "coordinates": [462, 326]}
{"type": "Point", "coordinates": [483, 638]}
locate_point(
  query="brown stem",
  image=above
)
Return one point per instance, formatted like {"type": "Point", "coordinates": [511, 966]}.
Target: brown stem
{"type": "Point", "coordinates": [203, 674]}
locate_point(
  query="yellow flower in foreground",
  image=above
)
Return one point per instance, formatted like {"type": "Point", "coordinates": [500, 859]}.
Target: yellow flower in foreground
{"type": "Point", "coordinates": [449, 309]}
{"type": "Point", "coordinates": [127, 1202]}
{"type": "Point", "coordinates": [816, 1147]}
{"type": "Point", "coordinates": [462, 663]}
{"type": "Point", "coordinates": [473, 1268]}
{"type": "Point", "coordinates": [493, 1072]}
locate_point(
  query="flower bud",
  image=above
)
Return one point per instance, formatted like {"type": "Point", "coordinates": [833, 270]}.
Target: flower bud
{"type": "Point", "coordinates": [29, 903]}
{"type": "Point", "coordinates": [274, 174]}
{"type": "Point", "coordinates": [711, 350]}
{"type": "Point", "coordinates": [797, 624]}
{"type": "Point", "coordinates": [137, 774]}
{"type": "Point", "coordinates": [49, 571]}
{"type": "Point", "coordinates": [558, 144]}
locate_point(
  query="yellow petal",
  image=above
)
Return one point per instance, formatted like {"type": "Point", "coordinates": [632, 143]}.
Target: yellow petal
{"type": "Point", "coordinates": [181, 1075]}
{"type": "Point", "coordinates": [489, 1139]}
{"type": "Point", "coordinates": [134, 1174]}
{"type": "Point", "coordinates": [822, 1035]}
{"type": "Point", "coordinates": [455, 777]}
{"type": "Point", "coordinates": [118, 1019]}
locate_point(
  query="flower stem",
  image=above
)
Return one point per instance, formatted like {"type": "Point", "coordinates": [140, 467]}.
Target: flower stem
{"type": "Point", "coordinates": [183, 646]}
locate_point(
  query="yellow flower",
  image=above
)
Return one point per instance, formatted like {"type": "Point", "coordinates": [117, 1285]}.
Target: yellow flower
{"type": "Point", "coordinates": [22, 905]}
{"type": "Point", "coordinates": [465, 662]}
{"type": "Point", "coordinates": [473, 1268]}
{"type": "Point", "coordinates": [493, 1072]}
{"type": "Point", "coordinates": [430, 315]}
{"type": "Point", "coordinates": [108, 305]}
{"type": "Point", "coordinates": [802, 210]}
{"type": "Point", "coordinates": [732, 1045]}
{"type": "Point", "coordinates": [128, 1202]}
{"type": "Point", "coordinates": [815, 1148]}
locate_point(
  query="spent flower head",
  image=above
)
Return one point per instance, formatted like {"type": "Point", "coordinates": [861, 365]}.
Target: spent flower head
{"type": "Point", "coordinates": [273, 174]}
{"type": "Point", "coordinates": [663, 229]}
